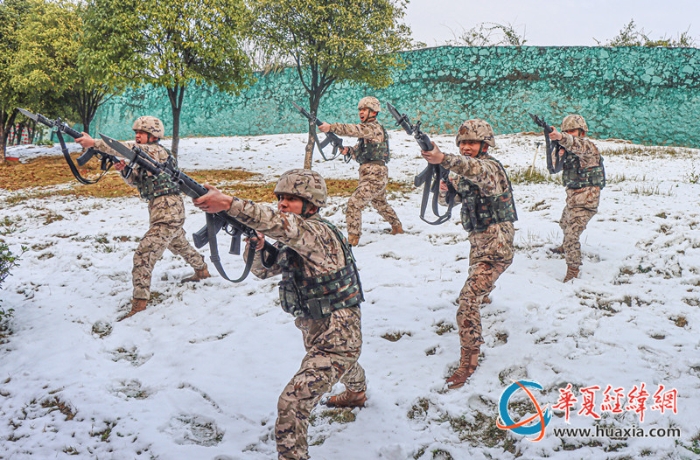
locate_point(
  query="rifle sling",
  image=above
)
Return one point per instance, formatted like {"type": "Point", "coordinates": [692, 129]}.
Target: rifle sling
{"type": "Point", "coordinates": [71, 165]}
{"type": "Point", "coordinates": [216, 259]}
{"type": "Point", "coordinates": [426, 179]}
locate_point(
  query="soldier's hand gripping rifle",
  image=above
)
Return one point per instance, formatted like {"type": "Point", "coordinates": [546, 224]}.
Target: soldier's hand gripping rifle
{"type": "Point", "coordinates": [215, 222]}
{"type": "Point", "coordinates": [552, 146]}
{"type": "Point", "coordinates": [106, 160]}
{"type": "Point", "coordinates": [331, 138]}
{"type": "Point", "coordinates": [431, 176]}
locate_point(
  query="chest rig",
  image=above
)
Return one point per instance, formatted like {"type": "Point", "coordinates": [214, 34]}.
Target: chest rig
{"type": "Point", "coordinates": [478, 210]}
{"type": "Point", "coordinates": [151, 187]}
{"type": "Point", "coordinates": [573, 176]}
{"type": "Point", "coordinates": [318, 297]}
{"type": "Point", "coordinates": [373, 151]}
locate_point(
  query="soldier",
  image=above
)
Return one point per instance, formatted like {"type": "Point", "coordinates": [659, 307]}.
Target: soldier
{"type": "Point", "coordinates": [166, 211]}
{"type": "Point", "coordinates": [320, 286]}
{"type": "Point", "coordinates": [488, 213]}
{"type": "Point", "coordinates": [372, 153]}
{"type": "Point", "coordinates": [583, 176]}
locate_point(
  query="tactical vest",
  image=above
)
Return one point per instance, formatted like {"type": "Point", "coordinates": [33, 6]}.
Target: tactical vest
{"type": "Point", "coordinates": [151, 187]}
{"type": "Point", "coordinates": [318, 297]}
{"type": "Point", "coordinates": [574, 177]}
{"type": "Point", "coordinates": [374, 151]}
{"type": "Point", "coordinates": [478, 210]}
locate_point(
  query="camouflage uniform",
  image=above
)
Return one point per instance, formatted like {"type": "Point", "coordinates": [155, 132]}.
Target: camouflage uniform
{"type": "Point", "coordinates": [166, 219]}
{"type": "Point", "coordinates": [491, 250]}
{"type": "Point", "coordinates": [581, 203]}
{"type": "Point", "coordinates": [374, 176]}
{"type": "Point", "coordinates": [333, 344]}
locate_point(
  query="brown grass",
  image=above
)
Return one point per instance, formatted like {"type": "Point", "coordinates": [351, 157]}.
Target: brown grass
{"type": "Point", "coordinates": [40, 173]}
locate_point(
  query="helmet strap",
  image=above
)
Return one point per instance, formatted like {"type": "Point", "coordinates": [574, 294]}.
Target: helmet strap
{"type": "Point", "coordinates": [306, 212]}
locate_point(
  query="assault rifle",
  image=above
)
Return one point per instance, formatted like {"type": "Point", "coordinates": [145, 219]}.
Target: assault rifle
{"type": "Point", "coordinates": [331, 138]}
{"type": "Point", "coordinates": [106, 160]}
{"type": "Point", "coordinates": [552, 146]}
{"type": "Point", "coordinates": [431, 176]}
{"type": "Point", "coordinates": [215, 222]}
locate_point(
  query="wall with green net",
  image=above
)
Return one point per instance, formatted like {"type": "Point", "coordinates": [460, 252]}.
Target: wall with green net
{"type": "Point", "coordinates": [646, 95]}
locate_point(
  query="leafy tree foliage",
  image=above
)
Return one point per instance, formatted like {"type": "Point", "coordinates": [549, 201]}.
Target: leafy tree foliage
{"type": "Point", "coordinates": [631, 36]}
{"type": "Point", "coordinates": [330, 41]}
{"type": "Point", "coordinates": [48, 66]}
{"type": "Point", "coordinates": [170, 44]}
{"type": "Point", "coordinates": [12, 13]}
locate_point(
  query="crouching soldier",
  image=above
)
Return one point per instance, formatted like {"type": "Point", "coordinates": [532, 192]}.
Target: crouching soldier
{"type": "Point", "coordinates": [583, 176]}
{"type": "Point", "coordinates": [372, 153]}
{"type": "Point", "coordinates": [488, 213]}
{"type": "Point", "coordinates": [320, 286]}
{"type": "Point", "coordinates": [166, 211]}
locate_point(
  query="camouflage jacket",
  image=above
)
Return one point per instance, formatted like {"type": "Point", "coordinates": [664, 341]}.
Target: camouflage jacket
{"type": "Point", "coordinates": [370, 131]}
{"type": "Point", "coordinates": [486, 174]}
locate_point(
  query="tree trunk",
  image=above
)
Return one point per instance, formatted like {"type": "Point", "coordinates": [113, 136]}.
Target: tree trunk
{"type": "Point", "coordinates": [176, 95]}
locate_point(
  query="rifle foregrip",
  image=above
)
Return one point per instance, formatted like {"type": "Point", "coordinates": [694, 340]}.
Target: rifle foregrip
{"type": "Point", "coordinates": [424, 142]}
{"type": "Point", "coordinates": [71, 132]}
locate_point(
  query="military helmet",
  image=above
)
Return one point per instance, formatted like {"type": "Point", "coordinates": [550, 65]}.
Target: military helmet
{"type": "Point", "coordinates": [574, 122]}
{"type": "Point", "coordinates": [150, 125]}
{"type": "Point", "coordinates": [369, 102]}
{"type": "Point", "coordinates": [304, 183]}
{"type": "Point", "coordinates": [476, 130]}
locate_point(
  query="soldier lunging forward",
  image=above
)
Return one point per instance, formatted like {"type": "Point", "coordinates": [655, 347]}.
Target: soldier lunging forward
{"type": "Point", "coordinates": [372, 152]}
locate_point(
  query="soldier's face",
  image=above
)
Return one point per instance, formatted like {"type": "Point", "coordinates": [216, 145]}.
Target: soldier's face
{"type": "Point", "coordinates": [289, 203]}
{"type": "Point", "coordinates": [469, 148]}
{"type": "Point", "coordinates": [366, 114]}
{"type": "Point", "coordinates": [142, 137]}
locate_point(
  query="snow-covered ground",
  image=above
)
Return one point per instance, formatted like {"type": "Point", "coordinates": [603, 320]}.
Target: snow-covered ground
{"type": "Point", "coordinates": [197, 375]}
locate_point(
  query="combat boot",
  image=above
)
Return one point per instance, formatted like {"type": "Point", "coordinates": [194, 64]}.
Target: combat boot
{"type": "Point", "coordinates": [396, 229]}
{"type": "Point", "coordinates": [353, 240]}
{"type": "Point", "coordinates": [557, 250]}
{"type": "Point", "coordinates": [486, 300]}
{"type": "Point", "coordinates": [571, 273]}
{"type": "Point", "coordinates": [347, 399]}
{"type": "Point", "coordinates": [137, 305]}
{"type": "Point", "coordinates": [200, 274]}
{"type": "Point", "coordinates": [468, 361]}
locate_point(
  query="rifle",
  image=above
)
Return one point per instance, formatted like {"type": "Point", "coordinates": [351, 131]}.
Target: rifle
{"type": "Point", "coordinates": [425, 177]}
{"type": "Point", "coordinates": [552, 146]}
{"type": "Point", "coordinates": [106, 160]}
{"type": "Point", "coordinates": [215, 222]}
{"type": "Point", "coordinates": [331, 138]}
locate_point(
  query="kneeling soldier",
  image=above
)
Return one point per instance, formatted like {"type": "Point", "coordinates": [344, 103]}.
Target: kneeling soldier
{"type": "Point", "coordinates": [320, 286]}
{"type": "Point", "coordinates": [488, 213]}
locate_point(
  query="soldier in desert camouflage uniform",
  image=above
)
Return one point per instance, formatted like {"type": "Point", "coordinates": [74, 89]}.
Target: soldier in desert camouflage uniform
{"type": "Point", "coordinates": [583, 176]}
{"type": "Point", "coordinates": [320, 287]}
{"type": "Point", "coordinates": [488, 213]}
{"type": "Point", "coordinates": [166, 211]}
{"type": "Point", "coordinates": [372, 153]}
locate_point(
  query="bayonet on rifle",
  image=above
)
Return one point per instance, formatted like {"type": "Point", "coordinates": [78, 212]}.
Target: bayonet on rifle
{"type": "Point", "coordinates": [431, 176]}
{"type": "Point", "coordinates": [215, 222]}
{"type": "Point", "coordinates": [330, 138]}
{"type": "Point", "coordinates": [106, 160]}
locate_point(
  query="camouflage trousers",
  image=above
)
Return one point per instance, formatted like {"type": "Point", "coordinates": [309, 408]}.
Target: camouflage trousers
{"type": "Point", "coordinates": [167, 216]}
{"type": "Point", "coordinates": [333, 346]}
{"type": "Point", "coordinates": [581, 206]}
{"type": "Point", "coordinates": [491, 253]}
{"type": "Point", "coordinates": [371, 189]}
